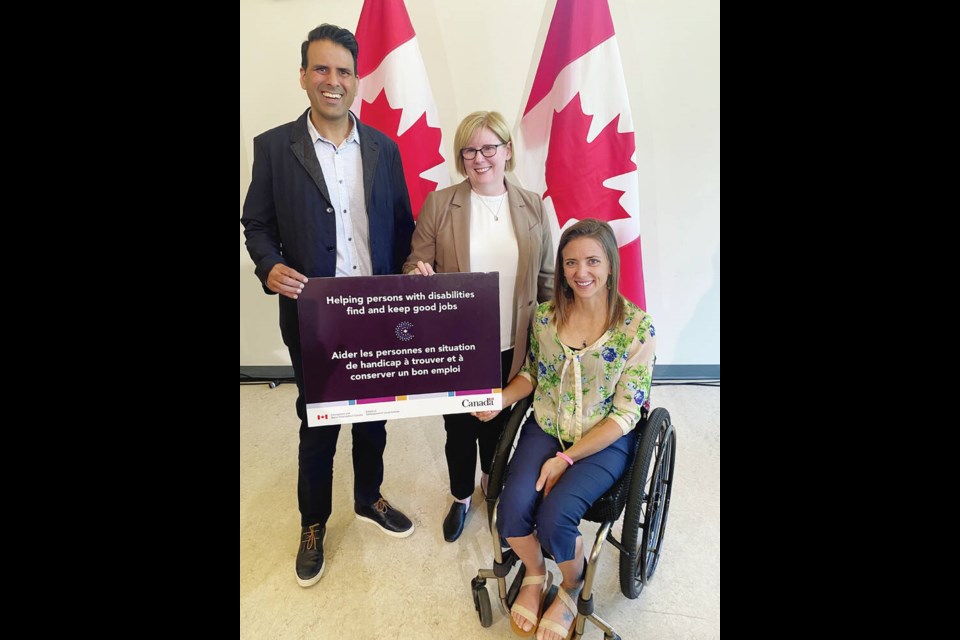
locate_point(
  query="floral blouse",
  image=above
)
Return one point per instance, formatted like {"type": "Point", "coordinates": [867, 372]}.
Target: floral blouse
{"type": "Point", "coordinates": [574, 390]}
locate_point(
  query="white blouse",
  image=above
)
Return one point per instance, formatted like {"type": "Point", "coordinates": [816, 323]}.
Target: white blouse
{"type": "Point", "coordinates": [493, 247]}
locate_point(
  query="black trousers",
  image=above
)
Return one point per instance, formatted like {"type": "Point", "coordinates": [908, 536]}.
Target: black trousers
{"type": "Point", "coordinates": [464, 433]}
{"type": "Point", "coordinates": [317, 448]}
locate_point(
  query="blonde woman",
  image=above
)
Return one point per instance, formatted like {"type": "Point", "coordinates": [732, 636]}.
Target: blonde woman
{"type": "Point", "coordinates": [485, 223]}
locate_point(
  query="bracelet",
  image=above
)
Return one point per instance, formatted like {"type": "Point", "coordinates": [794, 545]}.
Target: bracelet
{"type": "Point", "coordinates": [565, 458]}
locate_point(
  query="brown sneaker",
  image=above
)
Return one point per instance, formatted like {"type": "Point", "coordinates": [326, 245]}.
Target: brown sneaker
{"type": "Point", "coordinates": [391, 522]}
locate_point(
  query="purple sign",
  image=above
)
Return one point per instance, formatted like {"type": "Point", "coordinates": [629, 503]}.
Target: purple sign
{"type": "Point", "coordinates": [388, 339]}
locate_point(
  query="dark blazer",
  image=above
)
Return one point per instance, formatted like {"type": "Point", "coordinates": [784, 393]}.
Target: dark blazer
{"type": "Point", "coordinates": [288, 217]}
{"type": "Point", "coordinates": [442, 240]}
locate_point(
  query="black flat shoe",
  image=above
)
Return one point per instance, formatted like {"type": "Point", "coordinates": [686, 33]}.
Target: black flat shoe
{"type": "Point", "coordinates": [453, 523]}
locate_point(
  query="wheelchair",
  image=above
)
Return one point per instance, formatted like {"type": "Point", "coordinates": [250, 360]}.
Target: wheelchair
{"type": "Point", "coordinates": [643, 491]}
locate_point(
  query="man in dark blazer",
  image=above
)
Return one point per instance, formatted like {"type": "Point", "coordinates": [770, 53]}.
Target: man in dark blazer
{"type": "Point", "coordinates": [328, 198]}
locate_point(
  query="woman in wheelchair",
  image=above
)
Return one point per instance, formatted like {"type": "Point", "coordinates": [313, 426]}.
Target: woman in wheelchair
{"type": "Point", "coordinates": [589, 366]}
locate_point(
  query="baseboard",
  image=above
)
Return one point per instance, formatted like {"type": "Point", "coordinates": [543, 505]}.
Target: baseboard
{"type": "Point", "coordinates": [686, 372]}
{"type": "Point", "coordinates": [278, 373]}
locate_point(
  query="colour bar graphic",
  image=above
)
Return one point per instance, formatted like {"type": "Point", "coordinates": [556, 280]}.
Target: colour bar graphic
{"type": "Point", "coordinates": [397, 407]}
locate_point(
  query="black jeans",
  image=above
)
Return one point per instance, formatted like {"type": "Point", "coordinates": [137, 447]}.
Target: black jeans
{"type": "Point", "coordinates": [317, 448]}
{"type": "Point", "coordinates": [464, 433]}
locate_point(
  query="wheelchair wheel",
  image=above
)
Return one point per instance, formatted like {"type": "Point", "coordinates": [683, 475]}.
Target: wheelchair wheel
{"type": "Point", "coordinates": [648, 503]}
{"type": "Point", "coordinates": [481, 602]}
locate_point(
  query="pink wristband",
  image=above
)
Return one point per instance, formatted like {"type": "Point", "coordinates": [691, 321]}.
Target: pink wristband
{"type": "Point", "coordinates": [565, 458]}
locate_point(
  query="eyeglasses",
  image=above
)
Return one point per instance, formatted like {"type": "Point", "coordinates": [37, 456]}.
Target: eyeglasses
{"type": "Point", "coordinates": [488, 151]}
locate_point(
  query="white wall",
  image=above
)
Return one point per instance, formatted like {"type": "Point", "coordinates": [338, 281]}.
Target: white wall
{"type": "Point", "coordinates": [480, 55]}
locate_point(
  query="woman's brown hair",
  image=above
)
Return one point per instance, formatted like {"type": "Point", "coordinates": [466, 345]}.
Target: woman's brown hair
{"type": "Point", "coordinates": [563, 294]}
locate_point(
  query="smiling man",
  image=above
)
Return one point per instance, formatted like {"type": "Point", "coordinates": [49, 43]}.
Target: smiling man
{"type": "Point", "coordinates": [327, 75]}
{"type": "Point", "coordinates": [328, 198]}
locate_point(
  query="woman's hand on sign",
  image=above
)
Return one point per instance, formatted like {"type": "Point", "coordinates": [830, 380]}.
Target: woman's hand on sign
{"type": "Point", "coordinates": [423, 269]}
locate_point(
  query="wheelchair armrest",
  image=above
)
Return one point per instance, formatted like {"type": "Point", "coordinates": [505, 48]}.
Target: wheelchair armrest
{"type": "Point", "coordinates": [504, 446]}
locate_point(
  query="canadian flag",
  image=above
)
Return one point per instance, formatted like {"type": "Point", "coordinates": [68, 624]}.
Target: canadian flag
{"type": "Point", "coordinates": [395, 97]}
{"type": "Point", "coordinates": [576, 136]}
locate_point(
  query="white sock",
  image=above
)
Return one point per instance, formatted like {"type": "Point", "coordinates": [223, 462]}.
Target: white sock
{"type": "Point", "coordinates": [465, 501]}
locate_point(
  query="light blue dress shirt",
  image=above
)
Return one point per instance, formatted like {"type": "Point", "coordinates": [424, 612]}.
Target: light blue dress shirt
{"type": "Point", "coordinates": [343, 172]}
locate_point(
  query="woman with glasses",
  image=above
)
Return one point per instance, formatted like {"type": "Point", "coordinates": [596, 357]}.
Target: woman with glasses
{"type": "Point", "coordinates": [485, 223]}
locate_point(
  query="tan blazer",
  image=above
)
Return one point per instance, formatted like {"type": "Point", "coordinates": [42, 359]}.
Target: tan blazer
{"type": "Point", "coordinates": [442, 239]}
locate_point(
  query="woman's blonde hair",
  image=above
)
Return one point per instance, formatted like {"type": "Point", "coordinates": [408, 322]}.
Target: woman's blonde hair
{"type": "Point", "coordinates": [473, 123]}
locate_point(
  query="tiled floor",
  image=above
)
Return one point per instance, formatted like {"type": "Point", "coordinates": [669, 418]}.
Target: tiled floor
{"type": "Point", "coordinates": [375, 586]}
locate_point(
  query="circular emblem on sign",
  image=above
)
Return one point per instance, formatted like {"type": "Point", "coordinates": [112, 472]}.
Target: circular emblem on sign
{"type": "Point", "coordinates": [403, 331]}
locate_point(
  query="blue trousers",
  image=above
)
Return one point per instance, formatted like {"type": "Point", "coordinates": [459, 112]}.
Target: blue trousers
{"type": "Point", "coordinates": [555, 518]}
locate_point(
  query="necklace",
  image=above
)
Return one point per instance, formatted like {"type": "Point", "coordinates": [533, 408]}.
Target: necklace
{"type": "Point", "coordinates": [585, 332]}
{"type": "Point", "coordinates": [496, 214]}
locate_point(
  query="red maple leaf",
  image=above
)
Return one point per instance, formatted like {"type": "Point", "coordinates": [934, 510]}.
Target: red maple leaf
{"type": "Point", "coordinates": [576, 169]}
{"type": "Point", "coordinates": [419, 146]}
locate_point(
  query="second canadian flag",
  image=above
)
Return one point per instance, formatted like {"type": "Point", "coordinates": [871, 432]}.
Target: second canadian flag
{"type": "Point", "coordinates": [576, 137]}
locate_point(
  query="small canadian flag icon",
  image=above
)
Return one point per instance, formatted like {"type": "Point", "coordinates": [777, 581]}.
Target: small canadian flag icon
{"type": "Point", "coordinates": [323, 416]}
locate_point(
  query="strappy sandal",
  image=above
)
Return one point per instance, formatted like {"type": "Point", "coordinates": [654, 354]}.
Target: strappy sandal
{"type": "Point", "coordinates": [571, 605]}
{"type": "Point", "coordinates": [533, 617]}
